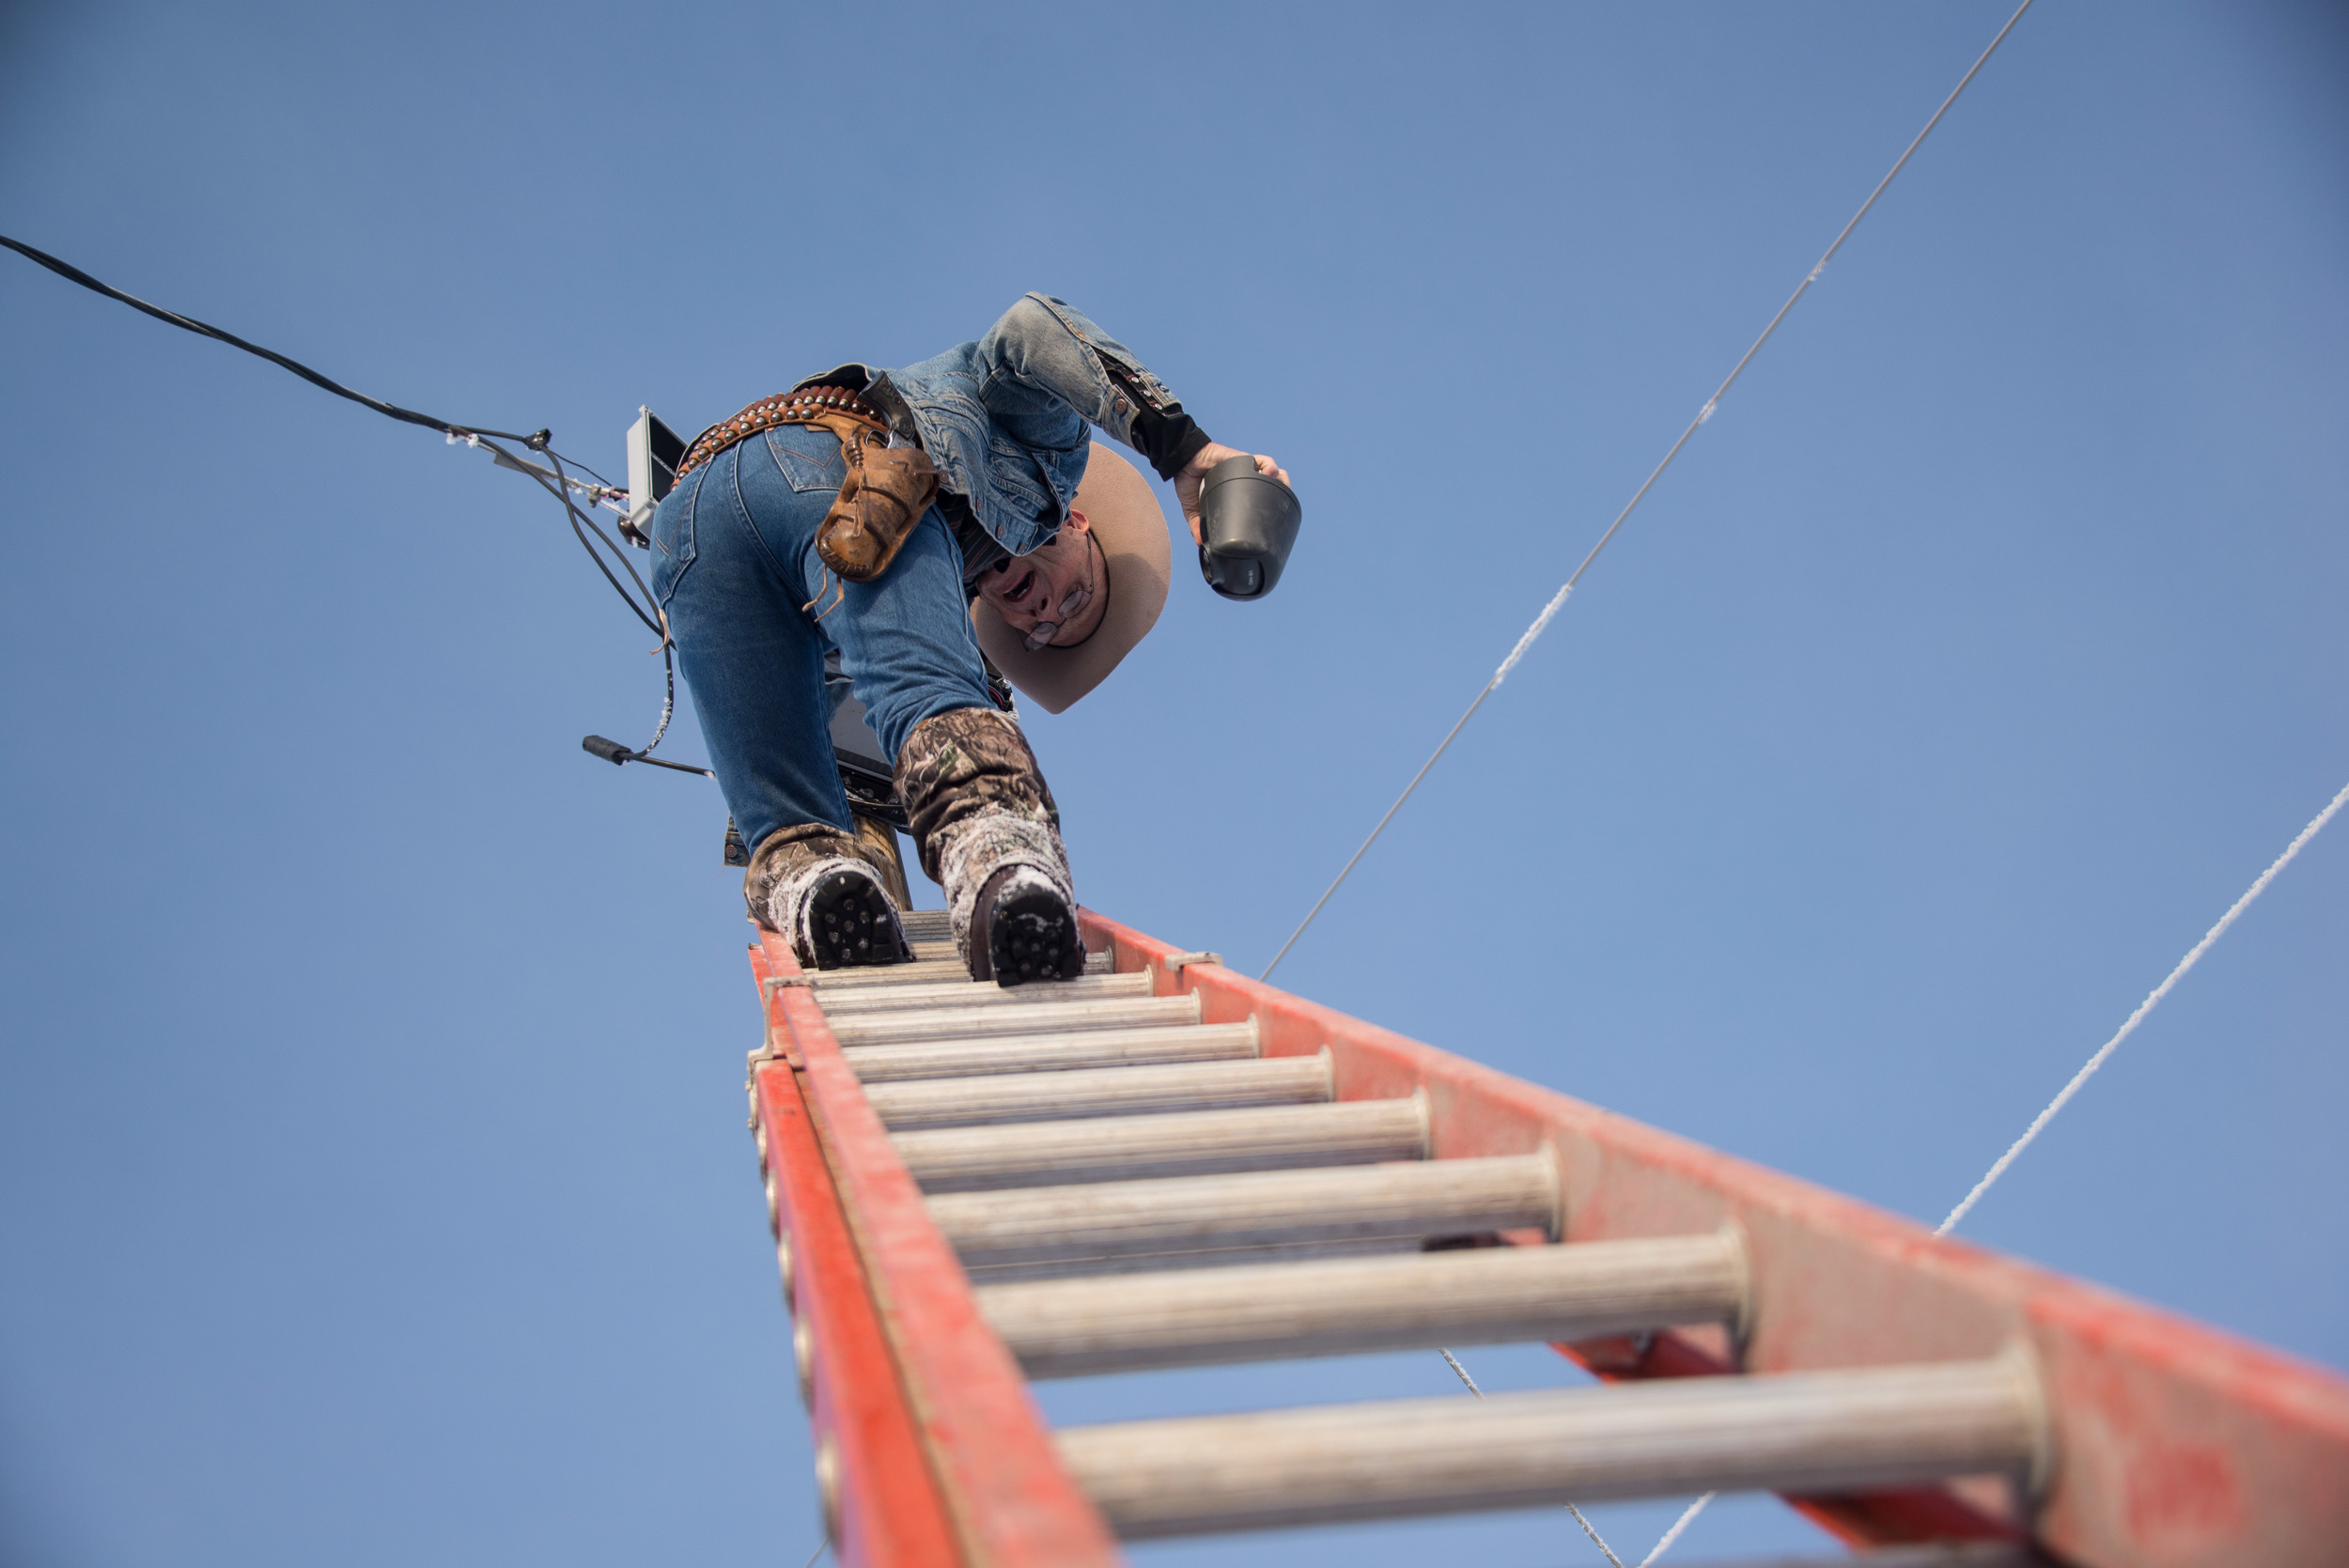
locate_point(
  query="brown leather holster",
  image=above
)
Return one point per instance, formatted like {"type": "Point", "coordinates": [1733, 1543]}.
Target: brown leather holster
{"type": "Point", "coordinates": [884, 495]}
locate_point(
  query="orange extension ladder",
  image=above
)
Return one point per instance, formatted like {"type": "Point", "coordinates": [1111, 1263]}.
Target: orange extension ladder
{"type": "Point", "coordinates": [1166, 1164]}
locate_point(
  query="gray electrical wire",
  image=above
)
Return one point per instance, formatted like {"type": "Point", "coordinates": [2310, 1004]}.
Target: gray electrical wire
{"type": "Point", "coordinates": [1541, 622]}
{"type": "Point", "coordinates": [1588, 1529]}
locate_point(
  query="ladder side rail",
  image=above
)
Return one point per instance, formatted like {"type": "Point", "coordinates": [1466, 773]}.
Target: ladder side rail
{"type": "Point", "coordinates": [1012, 1502]}
{"type": "Point", "coordinates": [882, 1505]}
{"type": "Point", "coordinates": [2176, 1445]}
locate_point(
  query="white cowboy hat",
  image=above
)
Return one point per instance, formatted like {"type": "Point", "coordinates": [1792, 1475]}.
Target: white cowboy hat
{"type": "Point", "coordinates": [1117, 500]}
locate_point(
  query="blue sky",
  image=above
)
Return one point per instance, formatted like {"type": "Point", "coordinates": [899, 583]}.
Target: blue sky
{"type": "Point", "coordinates": [373, 1185]}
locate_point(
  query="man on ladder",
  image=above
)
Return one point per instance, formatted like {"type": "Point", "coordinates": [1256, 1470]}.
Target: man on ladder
{"type": "Point", "coordinates": [920, 523]}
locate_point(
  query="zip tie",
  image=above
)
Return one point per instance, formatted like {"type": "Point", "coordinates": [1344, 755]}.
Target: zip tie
{"type": "Point", "coordinates": [1541, 624]}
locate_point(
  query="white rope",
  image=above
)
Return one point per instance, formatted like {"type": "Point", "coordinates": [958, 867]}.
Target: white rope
{"type": "Point", "coordinates": [1541, 622]}
{"type": "Point", "coordinates": [2040, 1122]}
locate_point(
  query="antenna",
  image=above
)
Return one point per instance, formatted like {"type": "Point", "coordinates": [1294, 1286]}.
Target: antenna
{"type": "Point", "coordinates": [654, 451]}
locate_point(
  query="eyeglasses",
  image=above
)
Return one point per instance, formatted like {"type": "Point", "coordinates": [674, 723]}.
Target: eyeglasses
{"type": "Point", "coordinates": [1072, 603]}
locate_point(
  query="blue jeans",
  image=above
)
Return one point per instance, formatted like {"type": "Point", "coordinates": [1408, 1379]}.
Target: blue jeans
{"type": "Point", "coordinates": [755, 612]}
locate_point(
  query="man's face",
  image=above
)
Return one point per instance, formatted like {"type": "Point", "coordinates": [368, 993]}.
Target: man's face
{"type": "Point", "coordinates": [1029, 590]}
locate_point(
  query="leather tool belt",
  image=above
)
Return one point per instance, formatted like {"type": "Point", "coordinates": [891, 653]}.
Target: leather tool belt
{"type": "Point", "coordinates": [885, 493]}
{"type": "Point", "coordinates": [813, 405]}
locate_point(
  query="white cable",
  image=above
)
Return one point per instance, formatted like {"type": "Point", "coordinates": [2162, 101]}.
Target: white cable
{"type": "Point", "coordinates": [1597, 1540]}
{"type": "Point", "coordinates": [1541, 622]}
{"type": "Point", "coordinates": [1549, 612]}
{"type": "Point", "coordinates": [1687, 1517]}
{"type": "Point", "coordinates": [2040, 1122]}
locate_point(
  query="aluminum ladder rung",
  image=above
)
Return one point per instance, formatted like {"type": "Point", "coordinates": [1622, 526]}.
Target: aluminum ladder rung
{"type": "Point", "coordinates": [1799, 1433]}
{"type": "Point", "coordinates": [1034, 1053]}
{"type": "Point", "coordinates": [1101, 1183]}
{"type": "Point", "coordinates": [1482, 1295]}
{"type": "Point", "coordinates": [922, 973]}
{"type": "Point", "coordinates": [927, 972]}
{"type": "Point", "coordinates": [1177, 1143]}
{"type": "Point", "coordinates": [906, 1105]}
{"type": "Point", "coordinates": [967, 992]}
{"type": "Point", "coordinates": [1043, 1017]}
{"type": "Point", "coordinates": [1381, 1203]}
{"type": "Point", "coordinates": [927, 926]}
{"type": "Point", "coordinates": [1189, 1260]}
{"type": "Point", "coordinates": [1969, 1554]}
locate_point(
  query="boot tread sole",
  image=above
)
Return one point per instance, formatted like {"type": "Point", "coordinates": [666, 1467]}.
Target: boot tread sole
{"type": "Point", "coordinates": [1032, 935]}
{"type": "Point", "coordinates": [852, 923]}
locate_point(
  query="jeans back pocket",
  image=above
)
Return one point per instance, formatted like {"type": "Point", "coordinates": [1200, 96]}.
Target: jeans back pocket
{"type": "Point", "coordinates": [810, 459]}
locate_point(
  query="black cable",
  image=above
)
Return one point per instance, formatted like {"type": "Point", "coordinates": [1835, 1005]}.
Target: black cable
{"type": "Point", "coordinates": [608, 543]}
{"type": "Point", "coordinates": [673, 766]}
{"type": "Point", "coordinates": [584, 469]}
{"type": "Point", "coordinates": [541, 441]}
{"type": "Point", "coordinates": [660, 627]}
{"type": "Point", "coordinates": [74, 274]}
{"type": "Point", "coordinates": [581, 526]}
{"type": "Point", "coordinates": [615, 753]}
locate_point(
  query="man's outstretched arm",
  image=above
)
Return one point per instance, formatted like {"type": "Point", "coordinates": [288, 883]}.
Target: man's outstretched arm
{"type": "Point", "coordinates": [1048, 346]}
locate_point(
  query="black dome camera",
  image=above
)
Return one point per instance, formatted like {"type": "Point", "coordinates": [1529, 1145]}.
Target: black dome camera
{"type": "Point", "coordinates": [1247, 524]}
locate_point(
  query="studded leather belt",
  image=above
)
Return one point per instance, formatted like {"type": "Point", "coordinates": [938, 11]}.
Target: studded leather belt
{"type": "Point", "coordinates": [809, 405]}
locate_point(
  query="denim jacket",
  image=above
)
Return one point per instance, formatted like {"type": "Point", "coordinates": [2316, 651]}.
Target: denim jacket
{"type": "Point", "coordinates": [1004, 418]}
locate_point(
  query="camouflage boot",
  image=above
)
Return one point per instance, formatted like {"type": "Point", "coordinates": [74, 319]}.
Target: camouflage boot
{"type": "Point", "coordinates": [815, 886]}
{"type": "Point", "coordinates": [988, 833]}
